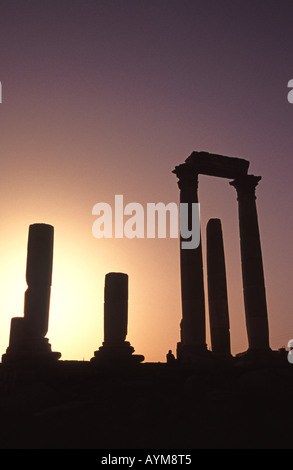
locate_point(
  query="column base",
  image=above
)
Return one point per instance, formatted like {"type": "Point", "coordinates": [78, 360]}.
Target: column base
{"type": "Point", "coordinates": [30, 353]}
{"type": "Point", "coordinates": [258, 356]}
{"type": "Point", "coordinates": [222, 357]}
{"type": "Point", "coordinates": [116, 354]}
{"type": "Point", "coordinates": [193, 354]}
{"type": "Point", "coordinates": [255, 353]}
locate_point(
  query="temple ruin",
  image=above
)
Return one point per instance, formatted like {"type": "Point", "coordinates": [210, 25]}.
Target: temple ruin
{"type": "Point", "coordinates": [193, 329]}
{"type": "Point", "coordinates": [27, 333]}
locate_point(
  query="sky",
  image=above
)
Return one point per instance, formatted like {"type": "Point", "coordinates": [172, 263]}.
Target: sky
{"type": "Point", "coordinates": [103, 98]}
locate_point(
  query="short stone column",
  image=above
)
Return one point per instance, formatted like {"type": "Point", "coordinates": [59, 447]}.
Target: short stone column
{"type": "Point", "coordinates": [193, 324]}
{"type": "Point", "coordinates": [115, 350]}
{"type": "Point", "coordinates": [217, 290]}
{"type": "Point", "coordinates": [115, 307]}
{"type": "Point", "coordinates": [252, 265]}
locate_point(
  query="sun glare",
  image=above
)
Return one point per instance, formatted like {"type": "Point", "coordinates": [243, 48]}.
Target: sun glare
{"type": "Point", "coordinates": [13, 285]}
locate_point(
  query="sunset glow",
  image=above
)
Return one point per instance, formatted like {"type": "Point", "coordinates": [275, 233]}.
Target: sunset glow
{"type": "Point", "coordinates": [105, 98]}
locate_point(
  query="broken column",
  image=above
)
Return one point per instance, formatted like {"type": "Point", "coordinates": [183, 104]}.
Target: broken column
{"type": "Point", "coordinates": [217, 290]}
{"type": "Point", "coordinates": [252, 265]}
{"type": "Point", "coordinates": [193, 327]}
{"type": "Point", "coordinates": [27, 334]}
{"type": "Point", "coordinates": [115, 350]}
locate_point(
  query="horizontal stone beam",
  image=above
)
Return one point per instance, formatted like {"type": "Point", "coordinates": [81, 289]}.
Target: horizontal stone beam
{"type": "Point", "coordinates": [217, 165]}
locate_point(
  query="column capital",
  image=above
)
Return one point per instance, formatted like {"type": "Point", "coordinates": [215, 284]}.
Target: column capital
{"type": "Point", "coordinates": [186, 175]}
{"type": "Point", "coordinates": [246, 185]}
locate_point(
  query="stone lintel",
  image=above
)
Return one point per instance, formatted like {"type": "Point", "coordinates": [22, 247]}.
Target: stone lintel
{"type": "Point", "coordinates": [210, 164]}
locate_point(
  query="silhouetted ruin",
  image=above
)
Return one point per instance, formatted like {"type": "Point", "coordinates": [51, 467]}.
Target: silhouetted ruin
{"type": "Point", "coordinates": [217, 289]}
{"type": "Point", "coordinates": [116, 400]}
{"type": "Point", "coordinates": [192, 288]}
{"type": "Point", "coordinates": [252, 266]}
{"type": "Point", "coordinates": [115, 349]}
{"type": "Point", "coordinates": [193, 324]}
{"type": "Point", "coordinates": [27, 334]}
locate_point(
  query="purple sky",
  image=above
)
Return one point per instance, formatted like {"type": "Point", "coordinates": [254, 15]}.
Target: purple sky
{"type": "Point", "coordinates": [106, 97]}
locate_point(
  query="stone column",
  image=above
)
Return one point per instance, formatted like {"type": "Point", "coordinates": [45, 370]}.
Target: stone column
{"type": "Point", "coordinates": [193, 326]}
{"type": "Point", "coordinates": [27, 342]}
{"type": "Point", "coordinates": [39, 278]}
{"type": "Point", "coordinates": [115, 350]}
{"type": "Point", "coordinates": [115, 307]}
{"type": "Point", "coordinates": [252, 265]}
{"type": "Point", "coordinates": [217, 289]}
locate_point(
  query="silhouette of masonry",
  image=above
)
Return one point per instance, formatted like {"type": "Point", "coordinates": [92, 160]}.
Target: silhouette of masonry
{"type": "Point", "coordinates": [254, 290]}
{"type": "Point", "coordinates": [217, 289]}
{"type": "Point", "coordinates": [193, 334]}
{"type": "Point", "coordinates": [115, 349]}
{"type": "Point", "coordinates": [27, 334]}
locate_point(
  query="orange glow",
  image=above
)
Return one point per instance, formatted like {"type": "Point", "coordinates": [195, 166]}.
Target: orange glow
{"type": "Point", "coordinates": [77, 296]}
{"type": "Point", "coordinates": [81, 262]}
{"type": "Point", "coordinates": [97, 102]}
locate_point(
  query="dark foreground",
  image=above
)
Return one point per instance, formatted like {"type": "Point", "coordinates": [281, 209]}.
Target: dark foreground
{"type": "Point", "coordinates": [76, 405]}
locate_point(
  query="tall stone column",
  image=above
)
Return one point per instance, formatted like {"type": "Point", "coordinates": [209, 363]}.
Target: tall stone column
{"type": "Point", "coordinates": [39, 278]}
{"type": "Point", "coordinates": [252, 264]}
{"type": "Point", "coordinates": [27, 342]}
{"type": "Point", "coordinates": [115, 350]}
{"type": "Point", "coordinates": [217, 289]}
{"type": "Point", "coordinates": [193, 324]}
